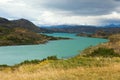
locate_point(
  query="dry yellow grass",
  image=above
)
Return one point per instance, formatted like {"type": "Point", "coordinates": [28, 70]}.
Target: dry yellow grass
{"type": "Point", "coordinates": [44, 71]}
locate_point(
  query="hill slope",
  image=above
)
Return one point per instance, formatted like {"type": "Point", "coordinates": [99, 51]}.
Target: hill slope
{"type": "Point", "coordinates": [21, 36]}
{"type": "Point", "coordinates": [22, 23]}
{"type": "Point", "coordinates": [22, 32]}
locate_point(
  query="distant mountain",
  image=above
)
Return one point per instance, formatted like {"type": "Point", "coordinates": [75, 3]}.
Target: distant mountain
{"type": "Point", "coordinates": [22, 23]}
{"type": "Point", "coordinates": [73, 28]}
{"type": "Point", "coordinates": [83, 28]}
{"type": "Point", "coordinates": [4, 21]}
{"type": "Point", "coordinates": [112, 25]}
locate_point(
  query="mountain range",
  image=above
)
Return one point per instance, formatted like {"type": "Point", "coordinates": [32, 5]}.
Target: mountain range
{"type": "Point", "coordinates": [24, 23]}
{"type": "Point", "coordinates": [84, 28]}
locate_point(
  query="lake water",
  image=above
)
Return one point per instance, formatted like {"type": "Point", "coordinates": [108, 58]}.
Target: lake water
{"type": "Point", "coordinates": [61, 48]}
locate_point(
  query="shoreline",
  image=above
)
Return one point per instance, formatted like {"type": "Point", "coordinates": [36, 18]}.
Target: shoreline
{"type": "Point", "coordinates": [43, 58]}
{"type": "Point", "coordinates": [46, 43]}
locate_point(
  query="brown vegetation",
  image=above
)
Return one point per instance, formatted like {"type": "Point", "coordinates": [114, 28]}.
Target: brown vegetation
{"type": "Point", "coordinates": [21, 36]}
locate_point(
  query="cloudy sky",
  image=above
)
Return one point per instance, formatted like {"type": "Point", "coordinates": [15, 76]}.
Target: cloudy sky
{"type": "Point", "coordinates": [56, 12]}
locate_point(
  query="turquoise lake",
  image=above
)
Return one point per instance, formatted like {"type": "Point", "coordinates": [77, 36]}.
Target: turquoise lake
{"type": "Point", "coordinates": [11, 55]}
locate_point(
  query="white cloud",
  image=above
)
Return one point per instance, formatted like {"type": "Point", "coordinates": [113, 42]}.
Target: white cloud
{"type": "Point", "coordinates": [42, 12]}
{"type": "Point", "coordinates": [5, 1]}
{"type": "Point", "coordinates": [55, 18]}
{"type": "Point", "coordinates": [51, 18]}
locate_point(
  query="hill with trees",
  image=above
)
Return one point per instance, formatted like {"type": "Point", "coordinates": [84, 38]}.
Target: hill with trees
{"type": "Point", "coordinates": [21, 23]}
{"type": "Point", "coordinates": [21, 36]}
{"type": "Point", "coordinates": [22, 32]}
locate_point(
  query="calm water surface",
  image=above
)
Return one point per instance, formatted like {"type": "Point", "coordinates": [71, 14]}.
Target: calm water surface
{"type": "Point", "coordinates": [61, 48]}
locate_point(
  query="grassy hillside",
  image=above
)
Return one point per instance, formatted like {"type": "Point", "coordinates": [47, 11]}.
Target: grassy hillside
{"type": "Point", "coordinates": [21, 23]}
{"type": "Point", "coordinates": [97, 34]}
{"type": "Point", "coordinates": [94, 63]}
{"type": "Point", "coordinates": [21, 36]}
{"type": "Point", "coordinates": [79, 68]}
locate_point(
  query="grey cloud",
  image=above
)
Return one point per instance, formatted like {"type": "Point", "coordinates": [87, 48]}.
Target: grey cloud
{"type": "Point", "coordinates": [117, 0]}
{"type": "Point", "coordinates": [34, 9]}
{"type": "Point", "coordinates": [82, 7]}
{"type": "Point", "coordinates": [109, 21]}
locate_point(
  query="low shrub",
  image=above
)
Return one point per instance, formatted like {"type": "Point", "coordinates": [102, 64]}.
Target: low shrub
{"type": "Point", "coordinates": [104, 52]}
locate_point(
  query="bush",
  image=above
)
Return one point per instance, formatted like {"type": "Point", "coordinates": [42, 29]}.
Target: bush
{"type": "Point", "coordinates": [104, 52]}
{"type": "Point", "coordinates": [36, 61]}
{"type": "Point", "coordinates": [114, 38]}
{"type": "Point", "coordinates": [52, 58]}
{"type": "Point", "coordinates": [4, 65]}
{"type": "Point", "coordinates": [30, 62]}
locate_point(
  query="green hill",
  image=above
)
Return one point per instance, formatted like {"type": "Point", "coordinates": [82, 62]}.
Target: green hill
{"type": "Point", "coordinates": [22, 32]}
{"type": "Point", "coordinates": [21, 23]}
